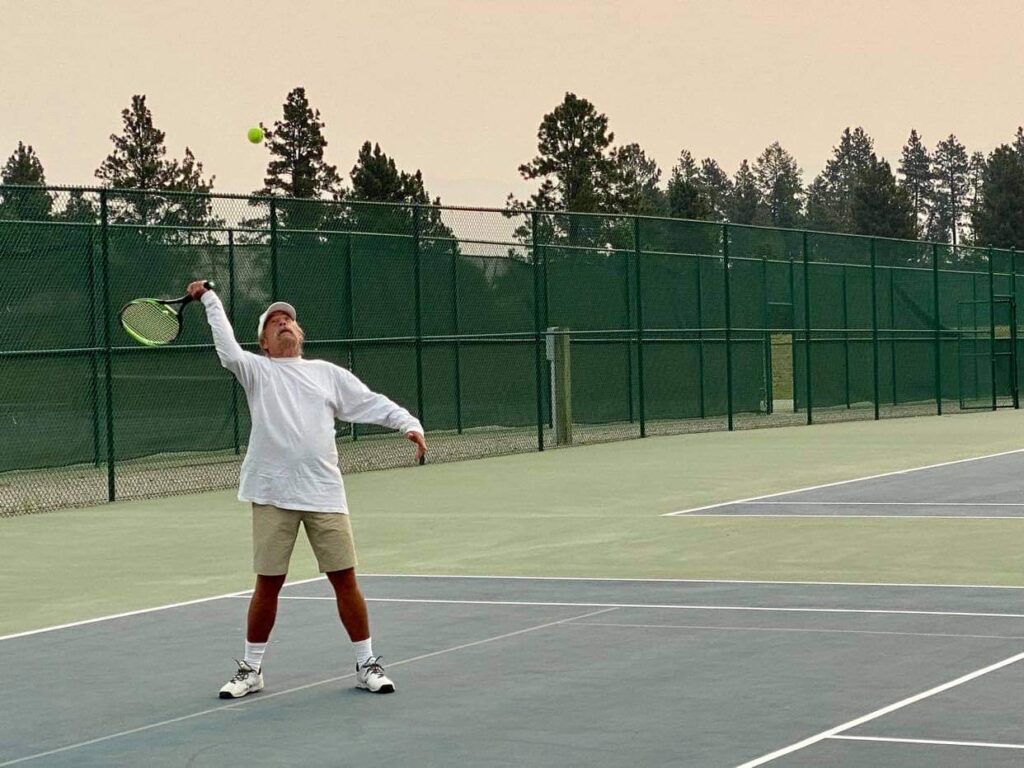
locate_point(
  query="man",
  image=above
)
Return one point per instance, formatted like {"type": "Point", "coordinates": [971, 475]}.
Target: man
{"type": "Point", "coordinates": [290, 475]}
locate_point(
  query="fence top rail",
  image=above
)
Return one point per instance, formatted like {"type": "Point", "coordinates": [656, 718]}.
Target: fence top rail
{"type": "Point", "coordinates": [505, 212]}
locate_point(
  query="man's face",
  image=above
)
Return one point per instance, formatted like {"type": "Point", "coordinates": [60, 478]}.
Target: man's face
{"type": "Point", "coordinates": [282, 336]}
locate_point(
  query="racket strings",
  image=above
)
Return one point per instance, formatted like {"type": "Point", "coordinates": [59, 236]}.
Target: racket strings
{"type": "Point", "coordinates": [154, 323]}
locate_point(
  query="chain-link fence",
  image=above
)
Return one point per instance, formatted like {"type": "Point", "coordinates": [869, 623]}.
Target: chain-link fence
{"type": "Point", "coordinates": [504, 331]}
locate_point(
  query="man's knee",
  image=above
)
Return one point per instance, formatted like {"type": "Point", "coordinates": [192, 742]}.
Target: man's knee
{"type": "Point", "coordinates": [269, 585]}
{"type": "Point", "coordinates": [343, 581]}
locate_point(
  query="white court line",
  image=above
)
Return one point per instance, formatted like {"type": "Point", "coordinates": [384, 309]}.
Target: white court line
{"type": "Point", "coordinates": [248, 592]}
{"type": "Point", "coordinates": [796, 629]}
{"type": "Point", "coordinates": [840, 482]}
{"type": "Point", "coordinates": [730, 515]}
{"type": "Point", "coordinates": [689, 581]}
{"type": "Point", "coordinates": [831, 732]}
{"type": "Point", "coordinates": [889, 503]}
{"type": "Point", "coordinates": [265, 697]}
{"type": "Point", "coordinates": [141, 611]}
{"type": "Point", "coordinates": [663, 606]}
{"type": "Point", "coordinates": [938, 742]}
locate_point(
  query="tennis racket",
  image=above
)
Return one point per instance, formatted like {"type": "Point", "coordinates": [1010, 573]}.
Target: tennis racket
{"type": "Point", "coordinates": [154, 322]}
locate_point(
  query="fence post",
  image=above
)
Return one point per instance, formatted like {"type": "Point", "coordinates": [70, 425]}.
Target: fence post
{"type": "Point", "coordinates": [1013, 325]}
{"type": "Point", "coordinates": [807, 330]}
{"type": "Point", "coordinates": [231, 318]}
{"type": "Point", "coordinates": [874, 329]}
{"type": "Point", "coordinates": [728, 327]}
{"type": "Point", "coordinates": [350, 302]}
{"type": "Point", "coordinates": [94, 355]}
{"type": "Point", "coordinates": [992, 323]}
{"type": "Point", "coordinates": [418, 290]}
{"type": "Point", "coordinates": [700, 334]}
{"type": "Point", "coordinates": [537, 339]}
{"type": "Point", "coordinates": [639, 326]}
{"type": "Point", "coordinates": [273, 250]}
{"type": "Point", "coordinates": [846, 338]}
{"type": "Point", "coordinates": [109, 375]}
{"type": "Point", "coordinates": [769, 395]}
{"type": "Point", "coordinates": [892, 324]}
{"type": "Point", "coordinates": [629, 340]}
{"type": "Point", "coordinates": [458, 345]}
{"type": "Point", "coordinates": [938, 329]}
{"type": "Point", "coordinates": [792, 330]}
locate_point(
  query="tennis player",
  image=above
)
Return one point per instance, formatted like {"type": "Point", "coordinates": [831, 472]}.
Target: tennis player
{"type": "Point", "coordinates": [290, 475]}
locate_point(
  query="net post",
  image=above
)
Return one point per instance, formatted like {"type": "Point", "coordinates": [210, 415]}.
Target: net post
{"type": "Point", "coordinates": [807, 329]}
{"type": "Point", "coordinates": [418, 301]}
{"type": "Point", "coordinates": [639, 325]}
{"type": "Point", "coordinates": [728, 327]}
{"type": "Point", "coordinates": [107, 313]}
{"type": "Point", "coordinates": [938, 329]}
{"type": "Point", "coordinates": [876, 395]}
{"type": "Point", "coordinates": [537, 340]}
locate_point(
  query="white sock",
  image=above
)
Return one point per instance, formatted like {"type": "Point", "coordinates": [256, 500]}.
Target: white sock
{"type": "Point", "coordinates": [364, 650]}
{"type": "Point", "coordinates": [254, 654]}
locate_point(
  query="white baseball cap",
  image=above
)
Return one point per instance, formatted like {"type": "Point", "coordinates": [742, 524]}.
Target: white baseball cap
{"type": "Point", "coordinates": [277, 306]}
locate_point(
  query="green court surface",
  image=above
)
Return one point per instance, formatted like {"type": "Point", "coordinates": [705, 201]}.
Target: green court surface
{"type": "Point", "coordinates": [593, 511]}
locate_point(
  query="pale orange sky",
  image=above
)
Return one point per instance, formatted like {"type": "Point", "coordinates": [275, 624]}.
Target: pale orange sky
{"type": "Point", "coordinates": [458, 88]}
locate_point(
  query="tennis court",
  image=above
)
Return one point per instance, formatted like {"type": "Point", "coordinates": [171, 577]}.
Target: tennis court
{"type": "Point", "coordinates": [549, 609]}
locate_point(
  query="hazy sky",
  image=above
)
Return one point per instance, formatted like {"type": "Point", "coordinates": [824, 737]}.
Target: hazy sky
{"type": "Point", "coordinates": [458, 88]}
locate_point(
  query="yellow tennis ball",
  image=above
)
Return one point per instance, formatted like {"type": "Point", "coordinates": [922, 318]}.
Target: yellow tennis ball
{"type": "Point", "coordinates": [256, 135]}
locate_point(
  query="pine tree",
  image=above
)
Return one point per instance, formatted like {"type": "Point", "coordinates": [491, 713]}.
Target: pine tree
{"type": "Point", "coordinates": [950, 167]}
{"type": "Point", "coordinates": [24, 168]}
{"type": "Point", "coordinates": [916, 171]}
{"type": "Point", "coordinates": [633, 184]}
{"type": "Point", "coordinates": [998, 219]}
{"type": "Point", "coordinates": [830, 195]}
{"type": "Point", "coordinates": [139, 162]}
{"type": "Point", "coordinates": [715, 188]}
{"type": "Point", "coordinates": [745, 201]}
{"type": "Point", "coordinates": [780, 186]}
{"type": "Point", "coordinates": [685, 200]}
{"type": "Point", "coordinates": [879, 206]}
{"type": "Point", "coordinates": [297, 168]}
{"type": "Point", "coordinates": [574, 167]}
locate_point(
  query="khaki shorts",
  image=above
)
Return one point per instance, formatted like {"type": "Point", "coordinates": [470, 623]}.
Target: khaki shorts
{"type": "Point", "coordinates": [273, 538]}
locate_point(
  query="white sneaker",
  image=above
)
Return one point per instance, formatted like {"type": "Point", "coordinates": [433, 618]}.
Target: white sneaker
{"type": "Point", "coordinates": [246, 680]}
{"type": "Point", "coordinates": [370, 675]}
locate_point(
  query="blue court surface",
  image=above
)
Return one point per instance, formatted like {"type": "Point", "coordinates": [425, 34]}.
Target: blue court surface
{"type": "Point", "coordinates": [540, 672]}
{"type": "Point", "coordinates": [984, 488]}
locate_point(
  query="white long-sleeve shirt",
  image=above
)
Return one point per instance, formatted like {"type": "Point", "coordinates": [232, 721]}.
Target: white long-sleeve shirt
{"type": "Point", "coordinates": [292, 458]}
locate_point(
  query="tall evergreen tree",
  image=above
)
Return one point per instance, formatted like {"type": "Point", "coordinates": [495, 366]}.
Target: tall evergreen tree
{"type": "Point", "coordinates": [633, 183]}
{"type": "Point", "coordinates": [830, 195]}
{"type": "Point", "coordinates": [79, 209]}
{"type": "Point", "coordinates": [879, 206]}
{"type": "Point", "coordinates": [715, 188]}
{"type": "Point", "coordinates": [998, 219]}
{"type": "Point", "coordinates": [139, 162]}
{"type": "Point", "coordinates": [779, 182]}
{"type": "Point", "coordinates": [916, 171]}
{"type": "Point", "coordinates": [685, 198]}
{"type": "Point", "coordinates": [745, 200]}
{"type": "Point", "coordinates": [950, 168]}
{"type": "Point", "coordinates": [297, 168]}
{"type": "Point", "coordinates": [574, 168]}
{"type": "Point", "coordinates": [24, 168]}
{"type": "Point", "coordinates": [1018, 142]}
